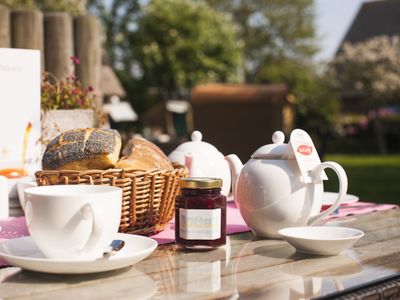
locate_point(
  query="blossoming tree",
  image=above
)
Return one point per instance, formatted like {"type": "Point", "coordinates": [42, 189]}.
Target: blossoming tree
{"type": "Point", "coordinates": [373, 69]}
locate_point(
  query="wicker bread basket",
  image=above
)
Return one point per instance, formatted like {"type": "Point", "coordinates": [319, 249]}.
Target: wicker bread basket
{"type": "Point", "coordinates": [148, 196]}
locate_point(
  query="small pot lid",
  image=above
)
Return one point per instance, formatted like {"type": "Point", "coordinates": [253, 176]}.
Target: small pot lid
{"type": "Point", "coordinates": [197, 145]}
{"type": "Point", "coordinates": [277, 150]}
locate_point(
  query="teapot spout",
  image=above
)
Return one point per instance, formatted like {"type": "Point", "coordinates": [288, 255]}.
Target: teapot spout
{"type": "Point", "coordinates": [236, 167]}
{"type": "Point", "coordinates": [191, 164]}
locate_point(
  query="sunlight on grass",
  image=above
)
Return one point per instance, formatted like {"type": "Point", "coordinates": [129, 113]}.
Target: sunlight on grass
{"type": "Point", "coordinates": [372, 178]}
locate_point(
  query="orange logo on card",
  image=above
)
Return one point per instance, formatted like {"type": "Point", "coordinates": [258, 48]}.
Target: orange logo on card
{"type": "Point", "coordinates": [304, 149]}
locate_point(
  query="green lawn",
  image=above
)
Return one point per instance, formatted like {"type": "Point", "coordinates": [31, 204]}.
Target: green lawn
{"type": "Point", "coordinates": [373, 178]}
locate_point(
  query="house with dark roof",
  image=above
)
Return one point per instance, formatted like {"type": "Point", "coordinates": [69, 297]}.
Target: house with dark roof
{"type": "Point", "coordinates": [375, 18]}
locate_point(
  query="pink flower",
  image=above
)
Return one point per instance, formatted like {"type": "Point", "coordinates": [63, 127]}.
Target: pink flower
{"type": "Point", "coordinates": [363, 123]}
{"type": "Point", "coordinates": [75, 60]}
{"type": "Point", "coordinates": [352, 130]}
{"type": "Point", "coordinates": [372, 114]}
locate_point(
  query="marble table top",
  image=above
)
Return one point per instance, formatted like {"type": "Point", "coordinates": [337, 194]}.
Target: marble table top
{"type": "Point", "coordinates": [246, 268]}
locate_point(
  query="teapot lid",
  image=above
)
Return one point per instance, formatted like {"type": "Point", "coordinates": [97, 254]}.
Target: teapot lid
{"type": "Point", "coordinates": [197, 145]}
{"type": "Point", "coordinates": [277, 150]}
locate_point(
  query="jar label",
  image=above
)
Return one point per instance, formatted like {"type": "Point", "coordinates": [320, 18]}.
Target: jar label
{"type": "Point", "coordinates": [200, 224]}
{"type": "Point", "coordinates": [200, 276]}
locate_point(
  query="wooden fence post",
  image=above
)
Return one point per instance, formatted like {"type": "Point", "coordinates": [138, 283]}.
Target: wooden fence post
{"type": "Point", "coordinates": [4, 27]}
{"type": "Point", "coordinates": [27, 30]}
{"type": "Point", "coordinates": [58, 44]}
{"type": "Point", "coordinates": [87, 44]}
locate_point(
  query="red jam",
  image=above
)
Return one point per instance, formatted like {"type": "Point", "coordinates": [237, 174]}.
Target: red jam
{"type": "Point", "coordinates": [200, 213]}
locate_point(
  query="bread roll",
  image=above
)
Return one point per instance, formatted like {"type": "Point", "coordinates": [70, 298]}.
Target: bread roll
{"type": "Point", "coordinates": [141, 154]}
{"type": "Point", "coordinates": [83, 149]}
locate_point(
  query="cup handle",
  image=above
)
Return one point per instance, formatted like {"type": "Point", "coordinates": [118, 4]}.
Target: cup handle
{"type": "Point", "coordinates": [88, 211]}
{"type": "Point", "coordinates": [341, 174]}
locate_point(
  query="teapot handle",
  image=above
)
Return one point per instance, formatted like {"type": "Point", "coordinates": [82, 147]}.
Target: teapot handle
{"type": "Point", "coordinates": [341, 174]}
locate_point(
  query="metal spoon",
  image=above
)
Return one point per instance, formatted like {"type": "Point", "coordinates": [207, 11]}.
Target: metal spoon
{"type": "Point", "coordinates": [115, 246]}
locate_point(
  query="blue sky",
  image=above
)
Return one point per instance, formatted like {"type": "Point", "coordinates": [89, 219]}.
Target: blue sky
{"type": "Point", "coordinates": [333, 18]}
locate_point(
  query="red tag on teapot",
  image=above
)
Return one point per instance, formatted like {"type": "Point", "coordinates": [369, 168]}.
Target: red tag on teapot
{"type": "Point", "coordinates": [305, 154]}
{"type": "Point", "coordinates": [305, 150]}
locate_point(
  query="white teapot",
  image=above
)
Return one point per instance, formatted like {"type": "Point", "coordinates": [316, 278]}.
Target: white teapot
{"type": "Point", "coordinates": [271, 193]}
{"type": "Point", "coordinates": [203, 160]}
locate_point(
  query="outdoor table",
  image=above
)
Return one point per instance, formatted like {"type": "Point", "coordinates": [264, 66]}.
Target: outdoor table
{"type": "Point", "coordinates": [246, 268]}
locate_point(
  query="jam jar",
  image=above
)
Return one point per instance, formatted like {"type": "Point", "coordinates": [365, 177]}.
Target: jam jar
{"type": "Point", "coordinates": [200, 213]}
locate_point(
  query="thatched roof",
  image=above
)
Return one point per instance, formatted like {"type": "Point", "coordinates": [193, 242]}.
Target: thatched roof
{"type": "Point", "coordinates": [120, 111]}
{"type": "Point", "coordinates": [373, 19]}
{"type": "Point", "coordinates": [110, 84]}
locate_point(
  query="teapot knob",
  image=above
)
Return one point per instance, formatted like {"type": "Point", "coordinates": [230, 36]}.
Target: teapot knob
{"type": "Point", "coordinates": [278, 137]}
{"type": "Point", "coordinates": [196, 136]}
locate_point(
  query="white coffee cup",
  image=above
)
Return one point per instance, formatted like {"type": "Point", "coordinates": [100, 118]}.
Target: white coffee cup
{"type": "Point", "coordinates": [72, 222]}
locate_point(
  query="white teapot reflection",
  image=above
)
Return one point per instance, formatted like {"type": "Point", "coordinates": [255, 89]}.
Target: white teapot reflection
{"type": "Point", "coordinates": [271, 282]}
{"type": "Point", "coordinates": [294, 279]}
{"type": "Point", "coordinates": [271, 193]}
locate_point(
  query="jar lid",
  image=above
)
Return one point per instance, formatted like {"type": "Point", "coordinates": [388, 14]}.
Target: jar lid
{"type": "Point", "coordinates": [200, 183]}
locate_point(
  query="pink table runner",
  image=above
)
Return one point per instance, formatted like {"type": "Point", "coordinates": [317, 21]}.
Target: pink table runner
{"type": "Point", "coordinates": [359, 208]}
{"type": "Point", "coordinates": [16, 227]}
{"type": "Point", "coordinates": [234, 224]}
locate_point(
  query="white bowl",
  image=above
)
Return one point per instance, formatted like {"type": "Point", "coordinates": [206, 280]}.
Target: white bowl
{"type": "Point", "coordinates": [321, 240]}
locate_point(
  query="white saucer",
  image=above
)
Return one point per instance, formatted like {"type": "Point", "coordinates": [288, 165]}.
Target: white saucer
{"type": "Point", "coordinates": [23, 252]}
{"type": "Point", "coordinates": [321, 240]}
{"type": "Point", "coordinates": [328, 198]}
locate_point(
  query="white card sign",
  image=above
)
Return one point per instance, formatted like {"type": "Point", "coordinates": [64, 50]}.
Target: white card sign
{"type": "Point", "coordinates": [19, 109]}
{"type": "Point", "coordinates": [305, 154]}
